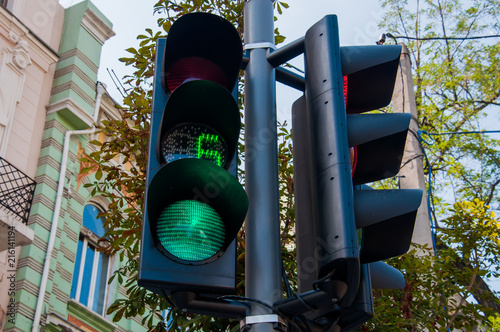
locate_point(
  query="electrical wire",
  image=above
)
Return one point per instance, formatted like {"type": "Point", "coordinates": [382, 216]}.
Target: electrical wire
{"type": "Point", "coordinates": [430, 201]}
{"type": "Point", "coordinates": [388, 34]}
{"type": "Point", "coordinates": [110, 73]}
{"type": "Point", "coordinates": [285, 279]}
{"type": "Point", "coordinates": [444, 38]}
{"type": "Point", "coordinates": [465, 132]}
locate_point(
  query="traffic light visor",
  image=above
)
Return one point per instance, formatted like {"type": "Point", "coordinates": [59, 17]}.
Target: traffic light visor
{"type": "Point", "coordinates": [195, 209]}
{"type": "Point", "coordinates": [196, 112]}
{"type": "Point", "coordinates": [203, 46]}
{"type": "Point", "coordinates": [371, 73]}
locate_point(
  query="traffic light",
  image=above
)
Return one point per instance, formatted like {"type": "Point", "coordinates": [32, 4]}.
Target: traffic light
{"type": "Point", "coordinates": [385, 217]}
{"type": "Point", "coordinates": [194, 206]}
{"type": "Point", "coordinates": [333, 204]}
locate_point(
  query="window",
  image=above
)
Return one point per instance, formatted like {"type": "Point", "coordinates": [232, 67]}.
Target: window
{"type": "Point", "coordinates": [91, 266]}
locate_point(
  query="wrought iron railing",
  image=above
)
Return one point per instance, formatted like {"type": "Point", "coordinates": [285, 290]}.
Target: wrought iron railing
{"type": "Point", "coordinates": [16, 190]}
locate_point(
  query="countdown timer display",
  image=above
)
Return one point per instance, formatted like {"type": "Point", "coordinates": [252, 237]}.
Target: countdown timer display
{"type": "Point", "coordinates": [194, 140]}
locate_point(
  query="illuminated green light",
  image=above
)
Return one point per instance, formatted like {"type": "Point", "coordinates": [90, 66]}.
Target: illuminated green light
{"type": "Point", "coordinates": [209, 154]}
{"type": "Point", "coordinates": [190, 230]}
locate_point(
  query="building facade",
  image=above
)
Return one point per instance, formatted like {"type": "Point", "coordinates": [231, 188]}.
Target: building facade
{"type": "Point", "coordinates": [52, 276]}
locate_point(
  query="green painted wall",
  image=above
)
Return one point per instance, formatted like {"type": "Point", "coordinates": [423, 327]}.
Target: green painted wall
{"type": "Point", "coordinates": [76, 73]}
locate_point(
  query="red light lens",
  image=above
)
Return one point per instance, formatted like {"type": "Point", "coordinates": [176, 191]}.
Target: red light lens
{"type": "Point", "coordinates": [194, 68]}
{"type": "Point", "coordinates": [345, 91]}
{"type": "Point", "coordinates": [354, 159]}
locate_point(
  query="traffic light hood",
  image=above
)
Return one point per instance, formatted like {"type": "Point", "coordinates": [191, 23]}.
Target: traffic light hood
{"type": "Point", "coordinates": [371, 73]}
{"type": "Point", "coordinates": [380, 141]}
{"type": "Point", "coordinates": [385, 217]}
{"type": "Point", "coordinates": [207, 103]}
{"type": "Point", "coordinates": [202, 181]}
{"type": "Point", "coordinates": [205, 38]}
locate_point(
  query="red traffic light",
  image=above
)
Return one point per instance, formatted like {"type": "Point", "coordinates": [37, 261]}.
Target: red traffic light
{"type": "Point", "coordinates": [201, 46]}
{"type": "Point", "coordinates": [194, 68]}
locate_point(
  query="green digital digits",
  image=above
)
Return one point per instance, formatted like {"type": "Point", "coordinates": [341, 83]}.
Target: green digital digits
{"type": "Point", "coordinates": [208, 153]}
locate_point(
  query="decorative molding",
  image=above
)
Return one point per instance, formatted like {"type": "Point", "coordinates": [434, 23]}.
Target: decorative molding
{"type": "Point", "coordinates": [25, 310]}
{"type": "Point", "coordinates": [79, 199]}
{"type": "Point", "coordinates": [49, 160]}
{"type": "Point", "coordinates": [53, 144]}
{"type": "Point", "coordinates": [109, 107]}
{"type": "Point", "coordinates": [40, 244]}
{"type": "Point", "coordinates": [76, 52]}
{"type": "Point", "coordinates": [17, 31]}
{"type": "Point", "coordinates": [80, 73]}
{"type": "Point", "coordinates": [64, 274]}
{"type": "Point", "coordinates": [20, 54]}
{"type": "Point", "coordinates": [39, 220]}
{"type": "Point", "coordinates": [75, 216]}
{"type": "Point", "coordinates": [91, 237]}
{"type": "Point", "coordinates": [69, 104]}
{"type": "Point", "coordinates": [60, 295]}
{"type": "Point", "coordinates": [84, 315]}
{"type": "Point", "coordinates": [96, 27]}
{"type": "Point", "coordinates": [56, 320]}
{"type": "Point", "coordinates": [73, 236]}
{"type": "Point", "coordinates": [12, 79]}
{"type": "Point", "coordinates": [28, 286]}
{"type": "Point", "coordinates": [13, 36]}
{"type": "Point", "coordinates": [75, 88]}
{"type": "Point", "coordinates": [69, 254]}
{"type": "Point", "coordinates": [57, 125]}
{"type": "Point", "coordinates": [30, 263]}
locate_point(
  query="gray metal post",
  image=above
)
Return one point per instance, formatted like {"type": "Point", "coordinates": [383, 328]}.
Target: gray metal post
{"type": "Point", "coordinates": [262, 238]}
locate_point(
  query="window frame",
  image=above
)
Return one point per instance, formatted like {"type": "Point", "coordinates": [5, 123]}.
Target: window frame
{"type": "Point", "coordinates": [88, 238]}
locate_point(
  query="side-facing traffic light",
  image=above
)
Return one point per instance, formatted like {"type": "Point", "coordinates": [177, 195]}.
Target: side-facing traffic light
{"type": "Point", "coordinates": [194, 207]}
{"type": "Point", "coordinates": [385, 217]}
{"type": "Point", "coordinates": [332, 202]}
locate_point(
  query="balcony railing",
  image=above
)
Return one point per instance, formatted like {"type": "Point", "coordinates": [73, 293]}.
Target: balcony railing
{"type": "Point", "coordinates": [16, 190]}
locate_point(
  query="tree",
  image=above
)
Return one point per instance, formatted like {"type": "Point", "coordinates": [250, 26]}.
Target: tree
{"type": "Point", "coordinates": [495, 320]}
{"type": "Point", "coordinates": [457, 85]}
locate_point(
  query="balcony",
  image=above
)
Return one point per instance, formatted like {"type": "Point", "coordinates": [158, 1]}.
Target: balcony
{"type": "Point", "coordinates": [16, 196]}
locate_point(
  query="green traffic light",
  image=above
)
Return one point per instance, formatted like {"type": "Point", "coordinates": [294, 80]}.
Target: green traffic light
{"type": "Point", "coordinates": [191, 230]}
{"type": "Point", "coordinates": [196, 209]}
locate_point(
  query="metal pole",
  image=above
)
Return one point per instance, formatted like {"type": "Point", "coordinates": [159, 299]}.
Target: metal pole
{"type": "Point", "coordinates": [262, 238]}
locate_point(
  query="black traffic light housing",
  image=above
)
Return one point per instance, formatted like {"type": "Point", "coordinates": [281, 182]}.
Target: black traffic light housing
{"type": "Point", "coordinates": [332, 202]}
{"type": "Point", "coordinates": [194, 207]}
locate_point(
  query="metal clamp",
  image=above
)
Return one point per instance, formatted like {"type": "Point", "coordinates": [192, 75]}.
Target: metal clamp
{"type": "Point", "coordinates": [253, 46]}
{"type": "Point", "coordinates": [279, 323]}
